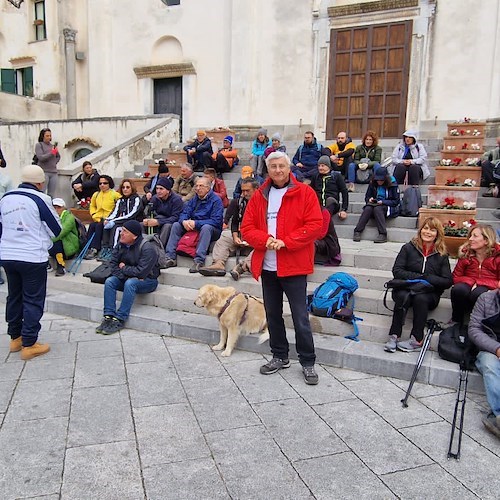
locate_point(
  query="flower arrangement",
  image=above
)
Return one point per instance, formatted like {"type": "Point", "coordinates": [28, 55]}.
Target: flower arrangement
{"type": "Point", "coordinates": [475, 147]}
{"type": "Point", "coordinates": [471, 162]}
{"type": "Point", "coordinates": [476, 132]}
{"type": "Point", "coordinates": [142, 175]}
{"type": "Point", "coordinates": [446, 162]}
{"type": "Point", "coordinates": [450, 148]}
{"type": "Point", "coordinates": [451, 228]}
{"type": "Point", "coordinates": [464, 145]}
{"type": "Point", "coordinates": [84, 203]}
{"type": "Point", "coordinates": [469, 183]}
{"type": "Point", "coordinates": [454, 132]}
{"type": "Point", "coordinates": [449, 203]}
{"type": "Point", "coordinates": [454, 182]}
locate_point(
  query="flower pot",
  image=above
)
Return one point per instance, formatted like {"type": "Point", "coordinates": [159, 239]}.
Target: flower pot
{"type": "Point", "coordinates": [461, 173]}
{"type": "Point", "coordinates": [453, 243]}
{"type": "Point", "coordinates": [444, 215]}
{"type": "Point", "coordinates": [83, 214]}
{"type": "Point", "coordinates": [458, 193]}
{"type": "Point", "coordinates": [467, 127]}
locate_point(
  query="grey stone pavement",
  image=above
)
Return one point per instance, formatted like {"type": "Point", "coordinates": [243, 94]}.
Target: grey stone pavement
{"type": "Point", "coordinates": [137, 415]}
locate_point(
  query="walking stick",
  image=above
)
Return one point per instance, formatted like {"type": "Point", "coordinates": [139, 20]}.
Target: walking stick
{"type": "Point", "coordinates": [432, 325]}
{"type": "Point", "coordinates": [461, 399]}
{"type": "Point", "coordinates": [77, 262]}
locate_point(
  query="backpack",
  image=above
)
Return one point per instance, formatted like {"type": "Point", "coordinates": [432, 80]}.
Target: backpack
{"type": "Point", "coordinates": [330, 300]}
{"type": "Point", "coordinates": [82, 232]}
{"type": "Point", "coordinates": [158, 246]}
{"type": "Point", "coordinates": [411, 202]}
{"type": "Point", "coordinates": [188, 243]}
{"type": "Point", "coordinates": [100, 274]}
{"type": "Point", "coordinates": [454, 345]}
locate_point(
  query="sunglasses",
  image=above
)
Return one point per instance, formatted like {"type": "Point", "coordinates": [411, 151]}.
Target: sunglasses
{"type": "Point", "coordinates": [103, 183]}
{"type": "Point", "coordinates": [126, 187]}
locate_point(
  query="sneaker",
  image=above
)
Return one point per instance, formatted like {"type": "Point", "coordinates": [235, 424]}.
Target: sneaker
{"type": "Point", "coordinates": [60, 271]}
{"type": "Point", "coordinates": [91, 254]}
{"type": "Point", "coordinates": [35, 350]}
{"type": "Point", "coordinates": [195, 268]}
{"type": "Point", "coordinates": [381, 238]}
{"type": "Point", "coordinates": [16, 344]}
{"type": "Point", "coordinates": [310, 375]}
{"type": "Point", "coordinates": [357, 236]}
{"type": "Point", "coordinates": [391, 344]}
{"type": "Point", "coordinates": [492, 423]}
{"type": "Point", "coordinates": [274, 365]}
{"type": "Point", "coordinates": [492, 191]}
{"type": "Point", "coordinates": [170, 263]}
{"type": "Point", "coordinates": [103, 254]}
{"type": "Point", "coordinates": [410, 345]}
{"type": "Point", "coordinates": [49, 268]}
{"type": "Point", "coordinates": [350, 187]}
{"type": "Point", "coordinates": [104, 323]}
{"type": "Point", "coordinates": [113, 326]}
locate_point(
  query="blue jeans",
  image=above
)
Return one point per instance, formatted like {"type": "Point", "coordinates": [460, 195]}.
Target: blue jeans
{"type": "Point", "coordinates": [489, 367]}
{"type": "Point", "coordinates": [27, 285]}
{"type": "Point", "coordinates": [129, 287]}
{"type": "Point", "coordinates": [208, 234]}
{"type": "Point", "coordinates": [351, 171]}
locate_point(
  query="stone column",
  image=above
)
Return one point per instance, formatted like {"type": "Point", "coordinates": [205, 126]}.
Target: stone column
{"type": "Point", "coordinates": [69, 43]}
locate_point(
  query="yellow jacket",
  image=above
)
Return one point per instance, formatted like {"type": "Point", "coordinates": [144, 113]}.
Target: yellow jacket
{"type": "Point", "coordinates": [102, 204]}
{"type": "Point", "coordinates": [334, 148]}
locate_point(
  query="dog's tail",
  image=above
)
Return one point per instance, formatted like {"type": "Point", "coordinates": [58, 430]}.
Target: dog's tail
{"type": "Point", "coordinates": [264, 336]}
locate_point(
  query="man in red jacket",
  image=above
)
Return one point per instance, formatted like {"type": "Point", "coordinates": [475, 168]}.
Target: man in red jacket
{"type": "Point", "coordinates": [281, 223]}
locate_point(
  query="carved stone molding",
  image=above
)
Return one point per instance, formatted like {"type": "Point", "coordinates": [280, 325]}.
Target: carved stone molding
{"type": "Point", "coordinates": [86, 140]}
{"type": "Point", "coordinates": [69, 35]}
{"type": "Point", "coordinates": [22, 61]}
{"type": "Point", "coordinates": [16, 3]}
{"type": "Point", "coordinates": [165, 70]}
{"type": "Point", "coordinates": [367, 7]}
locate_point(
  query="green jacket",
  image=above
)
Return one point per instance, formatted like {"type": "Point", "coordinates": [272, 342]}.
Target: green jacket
{"type": "Point", "coordinates": [68, 234]}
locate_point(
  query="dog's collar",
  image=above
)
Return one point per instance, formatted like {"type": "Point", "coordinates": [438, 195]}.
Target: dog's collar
{"type": "Point", "coordinates": [227, 304]}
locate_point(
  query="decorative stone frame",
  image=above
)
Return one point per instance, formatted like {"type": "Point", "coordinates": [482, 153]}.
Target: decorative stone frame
{"type": "Point", "coordinates": [165, 70]}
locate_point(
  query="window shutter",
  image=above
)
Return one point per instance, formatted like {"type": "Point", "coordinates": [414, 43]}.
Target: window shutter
{"type": "Point", "coordinates": [8, 78]}
{"type": "Point", "coordinates": [28, 81]}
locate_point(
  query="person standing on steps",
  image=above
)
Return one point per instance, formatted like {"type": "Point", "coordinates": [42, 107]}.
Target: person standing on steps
{"type": "Point", "coordinates": [28, 223]}
{"type": "Point", "coordinates": [282, 220]}
{"type": "Point", "coordinates": [48, 158]}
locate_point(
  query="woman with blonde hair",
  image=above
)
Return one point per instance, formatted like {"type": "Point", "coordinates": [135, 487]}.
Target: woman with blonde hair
{"type": "Point", "coordinates": [477, 270]}
{"type": "Point", "coordinates": [424, 257]}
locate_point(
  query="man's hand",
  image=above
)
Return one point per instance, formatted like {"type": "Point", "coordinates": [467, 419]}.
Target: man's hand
{"type": "Point", "coordinates": [77, 187]}
{"type": "Point", "coordinates": [150, 222]}
{"type": "Point", "coordinates": [192, 151]}
{"type": "Point", "coordinates": [237, 240]}
{"type": "Point", "coordinates": [342, 215]}
{"type": "Point", "coordinates": [498, 353]}
{"type": "Point", "coordinates": [334, 158]}
{"type": "Point", "coordinates": [149, 195]}
{"type": "Point", "coordinates": [300, 165]}
{"type": "Point", "coordinates": [121, 265]}
{"type": "Point", "coordinates": [274, 244]}
{"type": "Point", "coordinates": [188, 225]}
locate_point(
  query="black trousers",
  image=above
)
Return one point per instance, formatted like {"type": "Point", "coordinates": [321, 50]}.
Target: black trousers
{"type": "Point", "coordinates": [422, 303]}
{"type": "Point", "coordinates": [487, 174]}
{"type": "Point", "coordinates": [463, 299]}
{"type": "Point", "coordinates": [295, 289]}
{"type": "Point", "coordinates": [369, 212]}
{"type": "Point", "coordinates": [98, 229]}
{"type": "Point", "coordinates": [220, 164]}
{"type": "Point", "coordinates": [414, 174]}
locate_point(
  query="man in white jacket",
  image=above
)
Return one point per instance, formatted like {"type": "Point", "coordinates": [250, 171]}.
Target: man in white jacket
{"type": "Point", "coordinates": [28, 223]}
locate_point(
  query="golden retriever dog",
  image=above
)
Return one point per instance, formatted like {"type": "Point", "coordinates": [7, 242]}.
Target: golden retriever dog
{"type": "Point", "coordinates": [238, 314]}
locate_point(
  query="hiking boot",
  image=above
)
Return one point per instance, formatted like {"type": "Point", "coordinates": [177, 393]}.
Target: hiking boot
{"type": "Point", "coordinates": [60, 271]}
{"type": "Point", "coordinates": [357, 236]}
{"type": "Point", "coordinates": [16, 344]}
{"type": "Point", "coordinates": [411, 345]}
{"type": "Point", "coordinates": [35, 350]}
{"type": "Point", "coordinates": [381, 238]}
{"type": "Point", "coordinates": [310, 375]}
{"type": "Point", "coordinates": [195, 268]}
{"type": "Point", "coordinates": [391, 344]}
{"type": "Point", "coordinates": [238, 270]}
{"type": "Point", "coordinates": [104, 254]}
{"type": "Point", "coordinates": [492, 423]}
{"type": "Point", "coordinates": [492, 191]}
{"type": "Point", "coordinates": [274, 365]}
{"type": "Point", "coordinates": [114, 326]}
{"type": "Point", "coordinates": [170, 263]}
{"type": "Point", "coordinates": [216, 269]}
{"type": "Point", "coordinates": [350, 187]}
{"type": "Point", "coordinates": [91, 254]}
{"type": "Point", "coordinates": [104, 323]}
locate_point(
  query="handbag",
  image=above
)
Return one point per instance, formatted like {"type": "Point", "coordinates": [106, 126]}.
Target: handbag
{"type": "Point", "coordinates": [454, 345]}
{"type": "Point", "coordinates": [413, 287]}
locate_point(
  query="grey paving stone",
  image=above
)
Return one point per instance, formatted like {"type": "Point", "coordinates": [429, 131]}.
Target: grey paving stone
{"type": "Point", "coordinates": [31, 457]}
{"type": "Point", "coordinates": [6, 391]}
{"type": "Point", "coordinates": [382, 448]}
{"type": "Point", "coordinates": [4, 352]}
{"type": "Point", "coordinates": [429, 481]}
{"type": "Point", "coordinates": [99, 349]}
{"type": "Point", "coordinates": [129, 334]}
{"type": "Point", "coordinates": [341, 476]}
{"type": "Point", "coordinates": [188, 480]}
{"type": "Point", "coordinates": [172, 341]}
{"type": "Point", "coordinates": [11, 370]}
{"type": "Point", "coordinates": [477, 469]}
{"type": "Point", "coordinates": [382, 396]}
{"type": "Point", "coordinates": [109, 471]}
{"type": "Point", "coordinates": [238, 356]}
{"type": "Point", "coordinates": [55, 337]}
{"type": "Point", "coordinates": [153, 384]}
{"type": "Point", "coordinates": [47, 369]}
{"type": "Point", "coordinates": [37, 399]}
{"type": "Point", "coordinates": [88, 335]}
{"type": "Point", "coordinates": [283, 419]}
{"type": "Point", "coordinates": [195, 361]}
{"type": "Point", "coordinates": [218, 404]}
{"type": "Point", "coordinates": [253, 466]}
{"type": "Point", "coordinates": [144, 349]}
{"type": "Point", "coordinates": [345, 374]}
{"type": "Point", "coordinates": [420, 390]}
{"type": "Point", "coordinates": [259, 388]}
{"type": "Point", "coordinates": [168, 433]}
{"type": "Point", "coordinates": [95, 372]}
{"type": "Point", "coordinates": [66, 350]}
{"type": "Point", "coordinates": [100, 415]}
{"type": "Point", "coordinates": [65, 323]}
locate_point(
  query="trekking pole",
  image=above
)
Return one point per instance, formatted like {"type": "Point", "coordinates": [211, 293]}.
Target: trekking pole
{"type": "Point", "coordinates": [77, 262]}
{"type": "Point", "coordinates": [461, 398]}
{"type": "Point", "coordinates": [431, 326]}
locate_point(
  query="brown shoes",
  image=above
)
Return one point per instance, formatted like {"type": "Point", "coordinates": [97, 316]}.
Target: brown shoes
{"type": "Point", "coordinates": [218, 268]}
{"type": "Point", "coordinates": [36, 349]}
{"type": "Point", "coordinates": [16, 344]}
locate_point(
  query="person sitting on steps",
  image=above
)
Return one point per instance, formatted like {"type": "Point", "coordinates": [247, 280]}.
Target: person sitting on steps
{"type": "Point", "coordinates": [410, 157]}
{"type": "Point", "coordinates": [195, 151]}
{"type": "Point", "coordinates": [184, 183]}
{"type": "Point", "coordinates": [224, 159]}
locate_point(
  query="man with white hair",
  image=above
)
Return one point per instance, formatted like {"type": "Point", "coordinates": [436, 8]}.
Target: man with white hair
{"type": "Point", "coordinates": [282, 220]}
{"type": "Point", "coordinates": [28, 223]}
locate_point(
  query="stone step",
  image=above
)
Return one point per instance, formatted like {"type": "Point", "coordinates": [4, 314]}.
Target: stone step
{"type": "Point", "coordinates": [394, 233]}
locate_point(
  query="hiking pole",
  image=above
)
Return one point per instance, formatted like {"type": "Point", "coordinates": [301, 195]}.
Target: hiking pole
{"type": "Point", "coordinates": [76, 263]}
{"type": "Point", "coordinates": [461, 398]}
{"type": "Point", "coordinates": [431, 326]}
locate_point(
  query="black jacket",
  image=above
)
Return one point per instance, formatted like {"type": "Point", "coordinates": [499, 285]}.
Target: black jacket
{"type": "Point", "coordinates": [90, 184]}
{"type": "Point", "coordinates": [330, 185]}
{"type": "Point", "coordinates": [139, 262]}
{"type": "Point", "coordinates": [435, 268]}
{"type": "Point", "coordinates": [167, 211]}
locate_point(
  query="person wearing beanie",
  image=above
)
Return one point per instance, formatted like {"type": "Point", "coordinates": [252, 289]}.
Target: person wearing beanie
{"type": "Point", "coordinates": [246, 173]}
{"type": "Point", "coordinates": [224, 159]}
{"type": "Point", "coordinates": [195, 151]}
{"type": "Point", "coordinates": [149, 187]}
{"type": "Point", "coordinates": [48, 157]}
{"type": "Point", "coordinates": [135, 269]}
{"type": "Point", "coordinates": [164, 209]}
{"type": "Point", "coordinates": [329, 185]}
{"type": "Point", "coordinates": [67, 243]}
{"type": "Point", "coordinates": [29, 222]}
{"type": "Point", "coordinates": [275, 146]}
{"type": "Point", "coordinates": [259, 146]}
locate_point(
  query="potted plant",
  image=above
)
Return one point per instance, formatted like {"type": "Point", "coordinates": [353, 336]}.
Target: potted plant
{"type": "Point", "coordinates": [455, 235]}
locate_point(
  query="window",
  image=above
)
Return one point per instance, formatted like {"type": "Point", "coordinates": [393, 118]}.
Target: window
{"type": "Point", "coordinates": [80, 153]}
{"type": "Point", "coordinates": [171, 2]}
{"type": "Point", "coordinates": [17, 81]}
{"type": "Point", "coordinates": [39, 20]}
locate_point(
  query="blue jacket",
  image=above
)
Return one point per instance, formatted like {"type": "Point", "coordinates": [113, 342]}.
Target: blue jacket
{"type": "Point", "coordinates": [258, 148]}
{"type": "Point", "coordinates": [308, 155]}
{"type": "Point", "coordinates": [206, 211]}
{"type": "Point", "coordinates": [390, 196]}
{"type": "Point", "coordinates": [201, 147]}
{"type": "Point", "coordinates": [168, 211]}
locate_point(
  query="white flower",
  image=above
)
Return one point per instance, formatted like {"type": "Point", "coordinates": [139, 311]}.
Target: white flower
{"type": "Point", "coordinates": [438, 203]}
{"type": "Point", "coordinates": [469, 205]}
{"type": "Point", "coordinates": [138, 174]}
{"type": "Point", "coordinates": [467, 224]}
{"type": "Point", "coordinates": [454, 131]}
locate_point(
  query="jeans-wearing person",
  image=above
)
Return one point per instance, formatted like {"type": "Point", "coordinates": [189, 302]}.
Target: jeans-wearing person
{"type": "Point", "coordinates": [489, 366]}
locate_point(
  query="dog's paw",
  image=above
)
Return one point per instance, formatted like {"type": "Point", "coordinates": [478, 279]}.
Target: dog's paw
{"type": "Point", "coordinates": [226, 353]}
{"type": "Point", "coordinates": [218, 347]}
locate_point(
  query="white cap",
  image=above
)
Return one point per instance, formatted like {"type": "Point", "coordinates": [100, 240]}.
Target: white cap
{"type": "Point", "coordinates": [58, 202]}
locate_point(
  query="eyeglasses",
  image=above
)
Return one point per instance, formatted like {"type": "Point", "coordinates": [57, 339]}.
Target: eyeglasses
{"type": "Point", "coordinates": [126, 187]}
{"type": "Point", "coordinates": [103, 183]}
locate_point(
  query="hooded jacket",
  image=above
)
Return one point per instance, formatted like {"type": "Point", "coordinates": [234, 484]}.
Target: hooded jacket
{"type": "Point", "coordinates": [127, 208]}
{"type": "Point", "coordinates": [208, 210]}
{"type": "Point", "coordinates": [418, 153]}
{"type": "Point", "coordinates": [299, 224]}
{"type": "Point", "coordinates": [68, 235]}
{"type": "Point", "coordinates": [484, 316]}
{"type": "Point", "coordinates": [391, 198]}
{"type": "Point", "coordinates": [330, 185]}
{"type": "Point", "coordinates": [469, 271]}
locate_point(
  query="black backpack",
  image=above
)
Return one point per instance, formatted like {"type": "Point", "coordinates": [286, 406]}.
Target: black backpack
{"type": "Point", "coordinates": [454, 345]}
{"type": "Point", "coordinates": [411, 202]}
{"type": "Point", "coordinates": [100, 273]}
{"type": "Point", "coordinates": [82, 232]}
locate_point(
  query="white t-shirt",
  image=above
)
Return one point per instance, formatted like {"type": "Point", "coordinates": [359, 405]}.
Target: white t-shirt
{"type": "Point", "coordinates": [273, 207]}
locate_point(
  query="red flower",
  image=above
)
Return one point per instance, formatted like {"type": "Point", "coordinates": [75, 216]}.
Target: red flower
{"type": "Point", "coordinates": [464, 145]}
{"type": "Point", "coordinates": [449, 201]}
{"type": "Point", "coordinates": [456, 161]}
{"type": "Point", "coordinates": [472, 222]}
{"type": "Point", "coordinates": [146, 174]}
{"type": "Point", "coordinates": [452, 223]}
{"type": "Point", "coordinates": [462, 131]}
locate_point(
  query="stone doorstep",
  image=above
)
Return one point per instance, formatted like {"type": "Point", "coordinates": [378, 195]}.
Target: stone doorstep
{"type": "Point", "coordinates": [336, 351]}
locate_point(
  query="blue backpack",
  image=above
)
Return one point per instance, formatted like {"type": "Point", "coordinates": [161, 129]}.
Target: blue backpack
{"type": "Point", "coordinates": [331, 298]}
